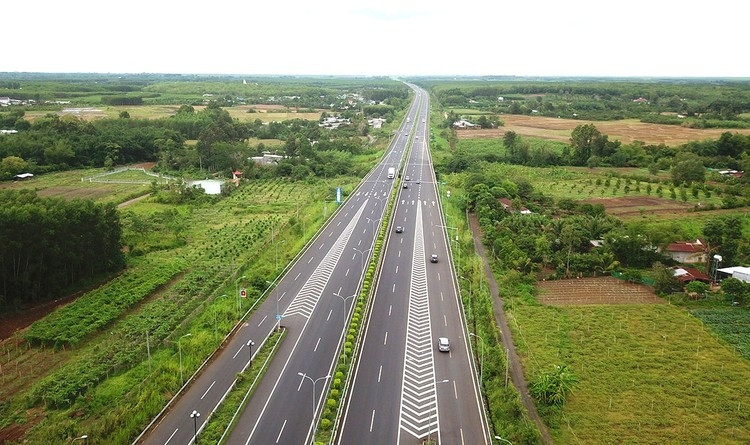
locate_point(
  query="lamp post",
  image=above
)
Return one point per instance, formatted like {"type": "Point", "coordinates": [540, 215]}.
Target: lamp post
{"type": "Point", "coordinates": [83, 438]}
{"type": "Point", "coordinates": [276, 254]}
{"type": "Point", "coordinates": [343, 313]}
{"type": "Point", "coordinates": [505, 440]}
{"type": "Point", "coordinates": [278, 314]}
{"type": "Point", "coordinates": [250, 345]}
{"type": "Point", "coordinates": [362, 252]}
{"type": "Point", "coordinates": [179, 349]}
{"type": "Point", "coordinates": [429, 432]}
{"type": "Point", "coordinates": [373, 224]}
{"type": "Point", "coordinates": [216, 324]}
{"type": "Point", "coordinates": [237, 292]}
{"type": "Point", "coordinates": [458, 266]}
{"type": "Point", "coordinates": [481, 359]}
{"type": "Point", "coordinates": [305, 376]}
{"type": "Point", "coordinates": [380, 200]}
{"type": "Point", "coordinates": [195, 415]}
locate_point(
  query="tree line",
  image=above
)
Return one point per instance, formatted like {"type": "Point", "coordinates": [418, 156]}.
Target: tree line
{"type": "Point", "coordinates": [48, 244]}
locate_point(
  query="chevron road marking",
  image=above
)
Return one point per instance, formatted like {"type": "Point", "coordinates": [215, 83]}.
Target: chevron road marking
{"type": "Point", "coordinates": [418, 414]}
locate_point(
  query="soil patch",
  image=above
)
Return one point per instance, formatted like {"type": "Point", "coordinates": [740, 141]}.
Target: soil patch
{"type": "Point", "coordinates": [604, 290]}
{"type": "Point", "coordinates": [632, 206]}
{"type": "Point", "coordinates": [627, 131]}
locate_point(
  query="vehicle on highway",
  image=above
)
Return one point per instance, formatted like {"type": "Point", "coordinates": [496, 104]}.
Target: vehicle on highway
{"type": "Point", "coordinates": [444, 345]}
{"type": "Point", "coordinates": [399, 229]}
{"type": "Point", "coordinates": [406, 186]}
{"type": "Point", "coordinates": [433, 258]}
{"type": "Point", "coordinates": [407, 178]}
{"type": "Point", "coordinates": [391, 172]}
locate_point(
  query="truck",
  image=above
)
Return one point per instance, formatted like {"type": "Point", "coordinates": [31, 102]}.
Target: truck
{"type": "Point", "coordinates": [391, 172]}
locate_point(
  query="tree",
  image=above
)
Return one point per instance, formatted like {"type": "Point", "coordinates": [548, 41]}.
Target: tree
{"type": "Point", "coordinates": [582, 141]}
{"type": "Point", "coordinates": [734, 289]}
{"type": "Point", "coordinates": [59, 153]}
{"type": "Point", "coordinates": [13, 165]}
{"type": "Point", "coordinates": [688, 168]}
{"type": "Point", "coordinates": [664, 279]}
{"type": "Point", "coordinates": [697, 287]}
{"type": "Point", "coordinates": [124, 114]}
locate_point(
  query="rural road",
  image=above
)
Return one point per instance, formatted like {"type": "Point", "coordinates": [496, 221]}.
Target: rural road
{"type": "Point", "coordinates": [516, 369]}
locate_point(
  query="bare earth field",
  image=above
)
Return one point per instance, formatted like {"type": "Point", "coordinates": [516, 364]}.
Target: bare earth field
{"type": "Point", "coordinates": [627, 131]}
{"type": "Point", "coordinates": [604, 290]}
{"type": "Point", "coordinates": [631, 206]}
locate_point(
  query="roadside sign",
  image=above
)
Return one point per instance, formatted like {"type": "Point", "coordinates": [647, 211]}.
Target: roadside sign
{"type": "Point", "coordinates": [338, 195]}
{"type": "Point", "coordinates": [278, 316]}
{"type": "Point", "coordinates": [243, 293]}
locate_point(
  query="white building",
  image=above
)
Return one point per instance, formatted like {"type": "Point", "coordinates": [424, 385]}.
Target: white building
{"type": "Point", "coordinates": [210, 186]}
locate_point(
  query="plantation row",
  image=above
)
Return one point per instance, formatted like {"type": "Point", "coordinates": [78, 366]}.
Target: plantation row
{"type": "Point", "coordinates": [731, 325]}
{"type": "Point", "coordinates": [95, 309]}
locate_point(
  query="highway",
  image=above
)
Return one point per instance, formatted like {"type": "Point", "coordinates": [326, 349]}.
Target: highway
{"type": "Point", "coordinates": [314, 297]}
{"type": "Point", "coordinates": [405, 391]}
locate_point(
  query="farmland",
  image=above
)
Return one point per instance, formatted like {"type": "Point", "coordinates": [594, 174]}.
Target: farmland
{"type": "Point", "coordinates": [648, 374]}
{"type": "Point", "coordinates": [220, 239]}
{"type": "Point", "coordinates": [627, 130]}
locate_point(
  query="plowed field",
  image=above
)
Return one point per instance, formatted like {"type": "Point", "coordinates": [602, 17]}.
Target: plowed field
{"type": "Point", "coordinates": [627, 130]}
{"type": "Point", "coordinates": [604, 290]}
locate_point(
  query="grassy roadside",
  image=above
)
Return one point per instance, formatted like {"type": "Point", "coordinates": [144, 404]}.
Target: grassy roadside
{"type": "Point", "coordinates": [224, 418]}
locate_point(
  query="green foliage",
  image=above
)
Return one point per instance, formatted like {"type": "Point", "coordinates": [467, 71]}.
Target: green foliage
{"type": "Point", "coordinates": [95, 309]}
{"type": "Point", "coordinates": [49, 243]}
{"type": "Point", "coordinates": [552, 388]}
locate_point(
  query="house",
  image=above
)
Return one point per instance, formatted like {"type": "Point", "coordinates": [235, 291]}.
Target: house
{"type": "Point", "coordinates": [267, 159]}
{"type": "Point", "coordinates": [687, 252]}
{"type": "Point", "coordinates": [376, 122]}
{"type": "Point", "coordinates": [508, 207]}
{"type": "Point", "coordinates": [596, 242]}
{"type": "Point", "coordinates": [4, 101]}
{"type": "Point", "coordinates": [209, 186]}
{"type": "Point", "coordinates": [22, 176]}
{"type": "Point", "coordinates": [463, 124]}
{"type": "Point", "coordinates": [739, 272]}
{"type": "Point", "coordinates": [640, 100]}
{"type": "Point", "coordinates": [687, 274]}
{"type": "Point", "coordinates": [8, 131]}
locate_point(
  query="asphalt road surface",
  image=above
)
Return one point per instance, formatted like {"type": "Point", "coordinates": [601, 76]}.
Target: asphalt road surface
{"type": "Point", "coordinates": [314, 299]}
{"type": "Point", "coordinates": [404, 389]}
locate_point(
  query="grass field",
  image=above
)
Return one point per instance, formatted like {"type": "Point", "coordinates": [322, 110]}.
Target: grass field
{"type": "Point", "coordinates": [648, 374]}
{"type": "Point", "coordinates": [627, 131]}
{"type": "Point", "coordinates": [70, 185]}
{"type": "Point", "coordinates": [266, 113]}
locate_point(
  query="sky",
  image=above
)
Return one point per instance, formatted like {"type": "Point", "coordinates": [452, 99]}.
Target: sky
{"type": "Point", "coordinates": [637, 38]}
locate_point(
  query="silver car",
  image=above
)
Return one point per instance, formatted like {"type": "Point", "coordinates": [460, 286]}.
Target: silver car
{"type": "Point", "coordinates": [444, 345]}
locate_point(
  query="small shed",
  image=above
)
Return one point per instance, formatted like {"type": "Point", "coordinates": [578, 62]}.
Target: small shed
{"type": "Point", "coordinates": [22, 176]}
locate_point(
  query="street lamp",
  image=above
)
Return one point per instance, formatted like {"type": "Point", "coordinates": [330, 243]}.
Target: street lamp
{"type": "Point", "coordinates": [278, 314]}
{"type": "Point", "coordinates": [458, 247]}
{"type": "Point", "coordinates": [362, 252]}
{"type": "Point", "coordinates": [276, 254]}
{"type": "Point", "coordinates": [506, 440]}
{"type": "Point", "coordinates": [373, 224]}
{"type": "Point", "coordinates": [429, 432]}
{"type": "Point", "coordinates": [83, 438]}
{"type": "Point", "coordinates": [179, 349]}
{"type": "Point", "coordinates": [716, 260]}
{"type": "Point", "coordinates": [250, 345]}
{"type": "Point", "coordinates": [237, 292]}
{"type": "Point", "coordinates": [305, 376]}
{"type": "Point", "coordinates": [216, 324]}
{"type": "Point", "coordinates": [481, 360]}
{"type": "Point", "coordinates": [194, 415]}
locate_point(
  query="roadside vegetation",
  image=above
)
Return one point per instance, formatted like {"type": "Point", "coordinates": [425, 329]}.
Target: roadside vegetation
{"type": "Point", "coordinates": [614, 372]}
{"type": "Point", "coordinates": [106, 364]}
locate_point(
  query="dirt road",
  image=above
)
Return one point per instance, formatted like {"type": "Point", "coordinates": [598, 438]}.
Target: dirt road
{"type": "Point", "coordinates": [516, 369]}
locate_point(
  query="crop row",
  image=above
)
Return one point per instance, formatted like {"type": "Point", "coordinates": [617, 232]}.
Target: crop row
{"type": "Point", "coordinates": [127, 344]}
{"type": "Point", "coordinates": [95, 309]}
{"type": "Point", "coordinates": [731, 324]}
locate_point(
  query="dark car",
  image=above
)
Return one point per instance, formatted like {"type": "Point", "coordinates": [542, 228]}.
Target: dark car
{"type": "Point", "coordinates": [406, 186]}
{"type": "Point", "coordinates": [399, 229]}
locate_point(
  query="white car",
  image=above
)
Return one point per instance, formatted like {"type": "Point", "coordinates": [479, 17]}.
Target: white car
{"type": "Point", "coordinates": [444, 345]}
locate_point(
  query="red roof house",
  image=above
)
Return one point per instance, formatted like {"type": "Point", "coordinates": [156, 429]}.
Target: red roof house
{"type": "Point", "coordinates": [687, 252]}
